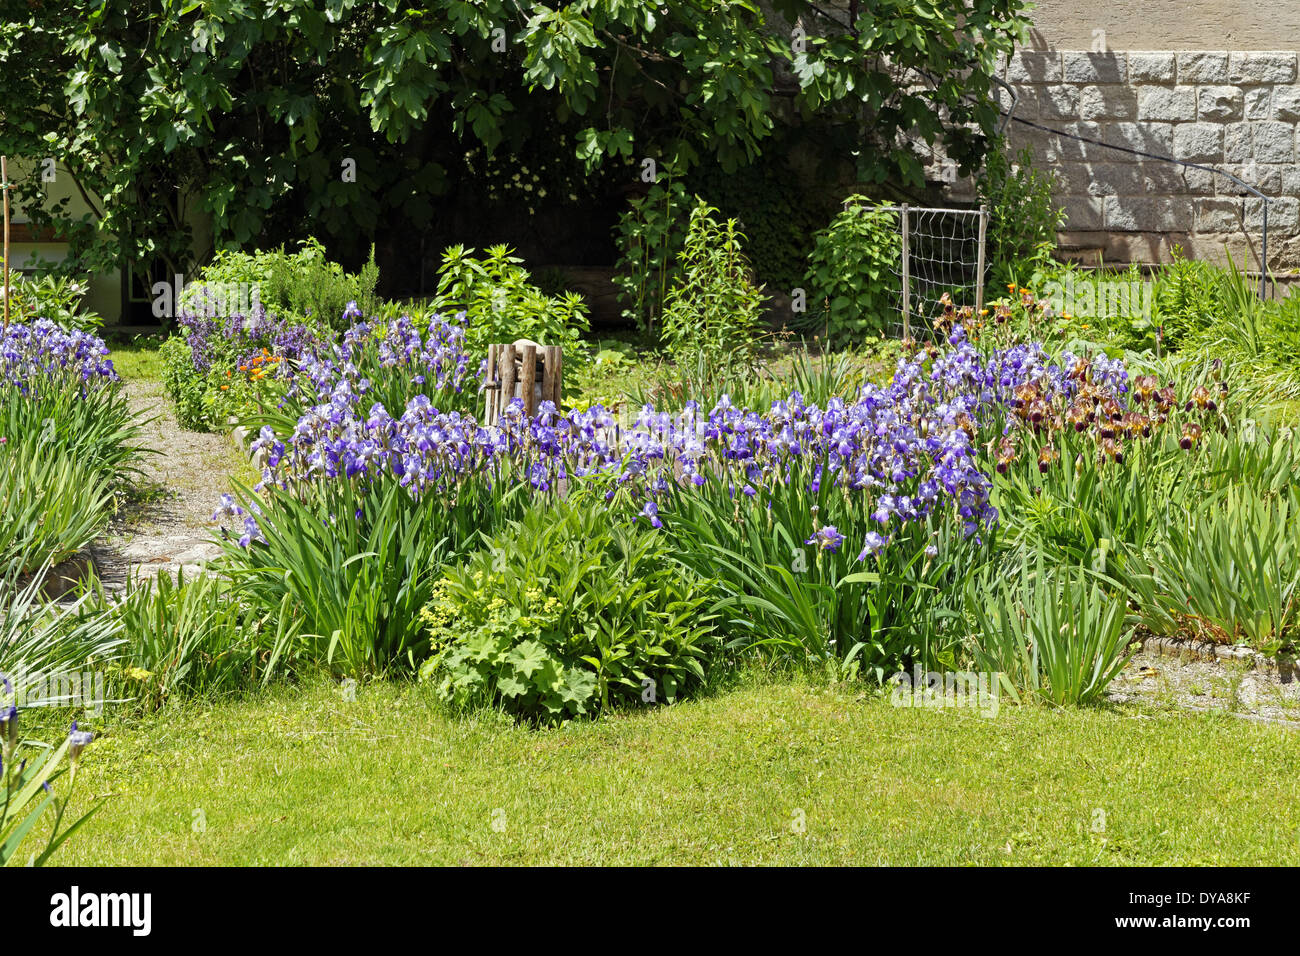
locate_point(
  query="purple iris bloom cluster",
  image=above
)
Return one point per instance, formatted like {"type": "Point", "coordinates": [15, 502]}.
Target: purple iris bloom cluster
{"type": "Point", "coordinates": [44, 348]}
{"type": "Point", "coordinates": [910, 447]}
{"type": "Point", "coordinates": [245, 335]}
{"type": "Point", "coordinates": [983, 384]}
{"type": "Point", "coordinates": [229, 508]}
{"type": "Point", "coordinates": [433, 362]}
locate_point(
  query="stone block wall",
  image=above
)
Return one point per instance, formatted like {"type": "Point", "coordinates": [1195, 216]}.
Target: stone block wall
{"type": "Point", "coordinates": [1233, 110]}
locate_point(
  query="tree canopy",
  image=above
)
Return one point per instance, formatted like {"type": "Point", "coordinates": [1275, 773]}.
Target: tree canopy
{"type": "Point", "coordinates": [352, 115]}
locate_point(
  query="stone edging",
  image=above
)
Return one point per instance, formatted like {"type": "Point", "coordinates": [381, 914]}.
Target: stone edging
{"type": "Point", "coordinates": [1287, 668]}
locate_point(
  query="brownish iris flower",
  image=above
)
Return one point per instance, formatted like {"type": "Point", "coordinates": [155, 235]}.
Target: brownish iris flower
{"type": "Point", "coordinates": [1037, 411]}
{"type": "Point", "coordinates": [1144, 388]}
{"type": "Point", "coordinates": [1112, 449]}
{"type": "Point", "coordinates": [1191, 435]}
{"type": "Point", "coordinates": [1078, 415]}
{"type": "Point", "coordinates": [1135, 424]}
{"type": "Point", "coordinates": [1023, 395]}
{"type": "Point", "coordinates": [1006, 454]}
{"type": "Point", "coordinates": [1201, 399]}
{"type": "Point", "coordinates": [1047, 457]}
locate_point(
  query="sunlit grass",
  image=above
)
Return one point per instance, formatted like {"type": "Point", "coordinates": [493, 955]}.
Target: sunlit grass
{"type": "Point", "coordinates": [780, 774]}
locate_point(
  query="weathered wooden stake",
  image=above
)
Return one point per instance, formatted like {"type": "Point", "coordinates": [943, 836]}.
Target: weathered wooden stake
{"type": "Point", "coordinates": [979, 267]}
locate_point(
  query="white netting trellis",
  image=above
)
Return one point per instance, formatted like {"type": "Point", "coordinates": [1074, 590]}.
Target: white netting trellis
{"type": "Point", "coordinates": [941, 253]}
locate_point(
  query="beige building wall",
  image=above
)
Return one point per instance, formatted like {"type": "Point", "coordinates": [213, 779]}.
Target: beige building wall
{"type": "Point", "coordinates": [1211, 82]}
{"type": "Point", "coordinates": [1166, 24]}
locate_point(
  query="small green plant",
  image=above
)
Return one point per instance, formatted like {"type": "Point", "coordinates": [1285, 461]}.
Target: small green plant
{"type": "Point", "coordinates": [649, 239]}
{"type": "Point", "coordinates": [712, 311]}
{"type": "Point", "coordinates": [852, 277]}
{"type": "Point", "coordinates": [502, 304]}
{"type": "Point", "coordinates": [1023, 218]}
{"type": "Point", "coordinates": [1052, 632]}
{"type": "Point", "coordinates": [181, 637]}
{"type": "Point", "coordinates": [304, 286]}
{"type": "Point", "coordinates": [543, 622]}
{"type": "Point", "coordinates": [54, 297]}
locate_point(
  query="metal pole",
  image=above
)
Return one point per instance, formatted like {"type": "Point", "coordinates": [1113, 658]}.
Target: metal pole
{"type": "Point", "coordinates": [907, 256]}
{"type": "Point", "coordinates": [4, 185]}
{"type": "Point", "coordinates": [979, 268]}
{"type": "Point", "coordinates": [1263, 263]}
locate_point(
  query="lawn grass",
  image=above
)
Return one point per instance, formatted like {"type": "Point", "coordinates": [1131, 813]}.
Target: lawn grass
{"type": "Point", "coordinates": [303, 776]}
{"type": "Point", "coordinates": [137, 363]}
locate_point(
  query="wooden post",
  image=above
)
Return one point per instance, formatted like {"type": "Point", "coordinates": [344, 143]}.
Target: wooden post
{"type": "Point", "coordinates": [492, 392]}
{"type": "Point", "coordinates": [552, 357]}
{"type": "Point", "coordinates": [907, 270]}
{"type": "Point", "coordinates": [979, 268]}
{"type": "Point", "coordinates": [506, 365]}
{"type": "Point", "coordinates": [528, 379]}
{"type": "Point", "coordinates": [4, 184]}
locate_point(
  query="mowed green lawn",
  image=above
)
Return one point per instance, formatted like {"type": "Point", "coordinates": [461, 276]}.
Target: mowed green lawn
{"type": "Point", "coordinates": [773, 774]}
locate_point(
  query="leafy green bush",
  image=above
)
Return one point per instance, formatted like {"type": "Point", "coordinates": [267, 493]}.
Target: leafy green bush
{"type": "Point", "coordinates": [304, 286]}
{"type": "Point", "coordinates": [649, 239]}
{"type": "Point", "coordinates": [1190, 296]}
{"type": "Point", "coordinates": [567, 612]}
{"type": "Point", "coordinates": [1023, 218]}
{"type": "Point", "coordinates": [502, 304]}
{"type": "Point", "coordinates": [190, 392]}
{"type": "Point", "coordinates": [57, 298]}
{"type": "Point", "coordinates": [852, 273]}
{"type": "Point", "coordinates": [713, 309]}
{"type": "Point", "coordinates": [1053, 632]}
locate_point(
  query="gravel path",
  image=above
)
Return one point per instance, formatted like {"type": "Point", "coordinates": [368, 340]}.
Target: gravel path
{"type": "Point", "coordinates": [167, 524]}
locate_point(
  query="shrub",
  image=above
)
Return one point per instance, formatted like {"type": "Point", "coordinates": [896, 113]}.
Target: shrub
{"type": "Point", "coordinates": [56, 299]}
{"type": "Point", "coordinates": [501, 304]}
{"type": "Point", "coordinates": [1023, 219]}
{"type": "Point", "coordinates": [853, 272]}
{"type": "Point", "coordinates": [649, 240]}
{"type": "Point", "coordinates": [566, 612]}
{"type": "Point", "coordinates": [712, 311]}
{"type": "Point", "coordinates": [302, 288]}
{"type": "Point", "coordinates": [1190, 297]}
